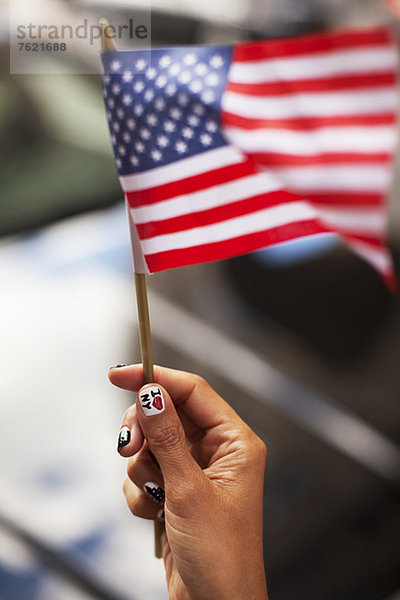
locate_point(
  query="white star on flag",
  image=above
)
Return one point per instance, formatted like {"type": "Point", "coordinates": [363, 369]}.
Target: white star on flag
{"type": "Point", "coordinates": [127, 99]}
{"type": "Point", "coordinates": [156, 155]}
{"type": "Point", "coordinates": [151, 119]}
{"type": "Point", "coordinates": [140, 64]}
{"type": "Point", "coordinates": [127, 76]}
{"type": "Point", "coordinates": [181, 147]}
{"type": "Point", "coordinates": [116, 65]}
{"type": "Point", "coordinates": [216, 61]}
{"type": "Point", "coordinates": [162, 141]}
{"type": "Point", "coordinates": [174, 69]}
{"type": "Point", "coordinates": [151, 73]}
{"type": "Point", "coordinates": [190, 59]}
{"type": "Point", "coordinates": [139, 86]}
{"type": "Point", "coordinates": [165, 61]}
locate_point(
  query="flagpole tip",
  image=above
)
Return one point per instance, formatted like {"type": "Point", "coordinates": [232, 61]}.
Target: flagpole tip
{"type": "Point", "coordinates": [107, 34]}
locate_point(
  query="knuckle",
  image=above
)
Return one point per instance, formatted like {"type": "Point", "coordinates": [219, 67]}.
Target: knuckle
{"type": "Point", "coordinates": [200, 381]}
{"type": "Point", "coordinates": [257, 450]}
{"type": "Point", "coordinates": [261, 448]}
{"type": "Point", "coordinates": [135, 510]}
{"type": "Point", "coordinates": [169, 438]}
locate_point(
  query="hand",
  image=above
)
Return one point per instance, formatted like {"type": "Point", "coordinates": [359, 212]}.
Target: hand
{"type": "Point", "coordinates": [191, 443]}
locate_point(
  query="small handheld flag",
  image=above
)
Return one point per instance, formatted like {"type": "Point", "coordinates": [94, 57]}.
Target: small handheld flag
{"type": "Point", "coordinates": [226, 150]}
{"type": "Point", "coordinates": [107, 44]}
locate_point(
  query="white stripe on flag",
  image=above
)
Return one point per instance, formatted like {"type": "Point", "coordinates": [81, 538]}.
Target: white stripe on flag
{"type": "Point", "coordinates": [364, 221]}
{"type": "Point", "coordinates": [218, 195]}
{"type": "Point", "coordinates": [261, 220]}
{"type": "Point", "coordinates": [373, 178]}
{"type": "Point", "coordinates": [324, 104]}
{"type": "Point", "coordinates": [139, 261]}
{"type": "Point", "coordinates": [339, 62]}
{"type": "Point", "coordinates": [186, 167]}
{"type": "Point", "coordinates": [373, 138]}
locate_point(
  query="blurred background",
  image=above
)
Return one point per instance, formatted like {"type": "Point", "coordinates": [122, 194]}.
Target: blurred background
{"type": "Point", "coordinates": [304, 342]}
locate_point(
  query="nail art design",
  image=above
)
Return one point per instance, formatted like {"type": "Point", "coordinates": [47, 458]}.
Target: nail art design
{"type": "Point", "coordinates": [124, 437]}
{"type": "Point", "coordinates": [161, 515]}
{"type": "Point", "coordinates": [155, 492]}
{"type": "Point", "coordinates": [152, 401]}
{"type": "Point", "coordinates": [117, 366]}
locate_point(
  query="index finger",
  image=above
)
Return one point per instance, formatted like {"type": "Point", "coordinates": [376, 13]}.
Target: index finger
{"type": "Point", "coordinates": [190, 393]}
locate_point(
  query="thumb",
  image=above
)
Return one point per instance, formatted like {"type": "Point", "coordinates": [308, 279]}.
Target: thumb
{"type": "Point", "coordinates": [165, 436]}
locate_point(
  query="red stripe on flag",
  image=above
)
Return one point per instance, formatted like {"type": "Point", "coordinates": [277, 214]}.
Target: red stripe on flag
{"type": "Point", "coordinates": [287, 160]}
{"type": "Point", "coordinates": [322, 84]}
{"type": "Point", "coordinates": [314, 43]}
{"type": "Point", "coordinates": [391, 281]}
{"type": "Point", "coordinates": [190, 185]}
{"type": "Point", "coordinates": [214, 215]}
{"type": "Point", "coordinates": [367, 239]}
{"type": "Point", "coordinates": [307, 123]}
{"type": "Point", "coordinates": [228, 248]}
{"type": "Point", "coordinates": [341, 200]}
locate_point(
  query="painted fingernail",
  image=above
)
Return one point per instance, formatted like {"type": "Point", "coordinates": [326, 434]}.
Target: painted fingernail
{"type": "Point", "coordinates": [155, 492]}
{"type": "Point", "coordinates": [117, 366]}
{"type": "Point", "coordinates": [161, 515]}
{"type": "Point", "coordinates": [124, 437]}
{"type": "Point", "coordinates": [152, 401]}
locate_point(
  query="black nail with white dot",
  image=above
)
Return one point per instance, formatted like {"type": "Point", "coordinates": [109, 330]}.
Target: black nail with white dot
{"type": "Point", "coordinates": [124, 437]}
{"type": "Point", "coordinates": [154, 491]}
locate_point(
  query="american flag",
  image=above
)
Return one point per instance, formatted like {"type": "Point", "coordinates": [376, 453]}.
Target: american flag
{"type": "Point", "coordinates": [225, 150]}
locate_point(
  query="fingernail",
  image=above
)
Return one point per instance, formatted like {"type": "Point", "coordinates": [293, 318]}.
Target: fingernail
{"type": "Point", "coordinates": [161, 515]}
{"type": "Point", "coordinates": [152, 401]}
{"type": "Point", "coordinates": [117, 366]}
{"type": "Point", "coordinates": [155, 492]}
{"type": "Point", "coordinates": [124, 437]}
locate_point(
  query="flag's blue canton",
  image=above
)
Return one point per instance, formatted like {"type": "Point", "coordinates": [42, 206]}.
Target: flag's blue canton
{"type": "Point", "coordinates": [164, 104]}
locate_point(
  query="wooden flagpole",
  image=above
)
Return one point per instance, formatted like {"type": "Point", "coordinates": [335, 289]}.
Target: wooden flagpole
{"type": "Point", "coordinates": [107, 43]}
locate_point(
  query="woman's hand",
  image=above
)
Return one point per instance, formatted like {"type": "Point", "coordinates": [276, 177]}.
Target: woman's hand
{"type": "Point", "coordinates": [189, 443]}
